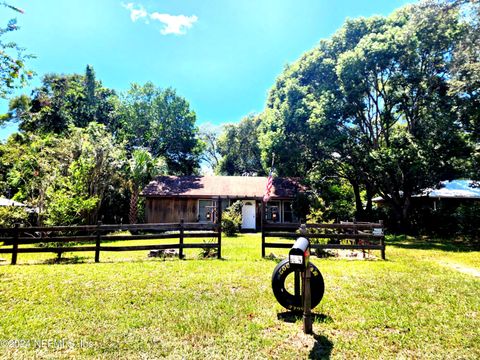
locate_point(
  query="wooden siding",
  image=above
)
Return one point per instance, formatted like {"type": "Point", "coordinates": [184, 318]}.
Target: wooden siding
{"type": "Point", "coordinates": [159, 210]}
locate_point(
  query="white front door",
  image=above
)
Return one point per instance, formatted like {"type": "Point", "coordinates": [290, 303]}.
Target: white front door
{"type": "Point", "coordinates": [248, 215]}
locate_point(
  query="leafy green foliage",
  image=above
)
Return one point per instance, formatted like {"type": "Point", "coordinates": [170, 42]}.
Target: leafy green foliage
{"type": "Point", "coordinates": [65, 177]}
{"type": "Point", "coordinates": [208, 252]}
{"type": "Point", "coordinates": [374, 105]}
{"type": "Point", "coordinates": [232, 219]}
{"type": "Point", "coordinates": [10, 215]}
{"type": "Point", "coordinates": [468, 218]}
{"type": "Point", "coordinates": [239, 148]}
{"type": "Point", "coordinates": [13, 73]}
{"type": "Point", "coordinates": [142, 168]}
{"type": "Point", "coordinates": [63, 101]}
{"type": "Point", "coordinates": [449, 218]}
{"type": "Point", "coordinates": [209, 137]}
{"type": "Point", "coordinates": [162, 122]}
{"type": "Point", "coordinates": [70, 157]}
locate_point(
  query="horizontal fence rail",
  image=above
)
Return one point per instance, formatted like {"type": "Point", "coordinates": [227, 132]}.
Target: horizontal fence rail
{"type": "Point", "coordinates": [64, 236]}
{"type": "Point", "coordinates": [348, 235]}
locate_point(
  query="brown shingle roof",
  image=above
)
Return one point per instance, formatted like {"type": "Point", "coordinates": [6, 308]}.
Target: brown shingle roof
{"type": "Point", "coordinates": [225, 186]}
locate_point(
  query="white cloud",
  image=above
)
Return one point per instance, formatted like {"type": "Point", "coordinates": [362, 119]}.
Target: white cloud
{"type": "Point", "coordinates": [173, 24]}
{"type": "Point", "coordinates": [135, 13]}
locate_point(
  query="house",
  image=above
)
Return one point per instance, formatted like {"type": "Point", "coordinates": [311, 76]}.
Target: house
{"type": "Point", "coordinates": [454, 192]}
{"type": "Point", "coordinates": [195, 198]}
{"type": "Point", "coordinates": [9, 202]}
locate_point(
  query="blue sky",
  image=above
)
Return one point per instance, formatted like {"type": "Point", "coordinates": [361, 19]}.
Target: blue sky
{"type": "Point", "coordinates": [221, 55]}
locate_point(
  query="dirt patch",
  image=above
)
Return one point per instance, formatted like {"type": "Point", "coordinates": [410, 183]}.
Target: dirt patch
{"type": "Point", "coordinates": [462, 269]}
{"type": "Point", "coordinates": [349, 254]}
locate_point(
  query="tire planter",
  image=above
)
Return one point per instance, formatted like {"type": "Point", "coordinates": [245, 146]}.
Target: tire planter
{"type": "Point", "coordinates": [288, 300]}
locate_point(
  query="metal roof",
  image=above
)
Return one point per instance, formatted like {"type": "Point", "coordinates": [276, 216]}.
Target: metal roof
{"type": "Point", "coordinates": [466, 189]}
{"type": "Point", "coordinates": [449, 189]}
{"type": "Point", "coordinates": [8, 202]}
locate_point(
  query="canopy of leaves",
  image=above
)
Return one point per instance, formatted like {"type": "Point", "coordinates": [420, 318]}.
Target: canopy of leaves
{"type": "Point", "coordinates": [63, 101]}
{"type": "Point", "coordinates": [376, 105]}
{"type": "Point", "coordinates": [162, 122]}
{"type": "Point", "coordinates": [64, 177]}
{"type": "Point", "coordinates": [13, 73]}
{"type": "Point", "coordinates": [239, 148]}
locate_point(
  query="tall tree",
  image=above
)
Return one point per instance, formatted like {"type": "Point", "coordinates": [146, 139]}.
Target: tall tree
{"type": "Point", "coordinates": [13, 73]}
{"type": "Point", "coordinates": [372, 105]}
{"type": "Point", "coordinates": [162, 122]}
{"type": "Point", "coordinates": [65, 177]}
{"type": "Point", "coordinates": [90, 96]}
{"type": "Point", "coordinates": [142, 168]}
{"type": "Point", "coordinates": [63, 101]}
{"type": "Point", "coordinates": [239, 149]}
{"type": "Point", "coordinates": [465, 81]}
{"type": "Point", "coordinates": [209, 136]}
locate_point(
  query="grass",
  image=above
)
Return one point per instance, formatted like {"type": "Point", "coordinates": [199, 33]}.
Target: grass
{"type": "Point", "coordinates": [132, 307]}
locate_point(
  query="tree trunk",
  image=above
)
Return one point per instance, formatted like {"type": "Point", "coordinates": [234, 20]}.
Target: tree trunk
{"type": "Point", "coordinates": [359, 212]}
{"type": "Point", "coordinates": [401, 209]}
{"type": "Point", "coordinates": [133, 213]}
{"type": "Point", "coordinates": [369, 206]}
{"type": "Point", "coordinates": [405, 223]}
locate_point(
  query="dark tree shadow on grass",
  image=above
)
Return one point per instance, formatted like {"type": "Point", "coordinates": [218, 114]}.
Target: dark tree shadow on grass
{"type": "Point", "coordinates": [294, 316]}
{"type": "Point", "coordinates": [65, 260]}
{"type": "Point", "coordinates": [322, 348]}
{"type": "Point", "coordinates": [441, 245]}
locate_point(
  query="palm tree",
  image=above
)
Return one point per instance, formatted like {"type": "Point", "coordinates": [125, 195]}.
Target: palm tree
{"type": "Point", "coordinates": [143, 167]}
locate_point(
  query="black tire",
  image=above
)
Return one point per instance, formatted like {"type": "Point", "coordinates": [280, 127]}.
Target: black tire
{"type": "Point", "coordinates": [288, 300]}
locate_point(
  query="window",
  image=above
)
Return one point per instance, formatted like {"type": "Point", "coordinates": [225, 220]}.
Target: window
{"type": "Point", "coordinates": [273, 211]}
{"type": "Point", "coordinates": [207, 210]}
{"type": "Point", "coordinates": [288, 215]}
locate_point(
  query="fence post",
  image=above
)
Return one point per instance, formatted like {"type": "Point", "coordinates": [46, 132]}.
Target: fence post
{"type": "Point", "coordinates": [262, 222]}
{"type": "Point", "coordinates": [219, 220]}
{"type": "Point", "coordinates": [97, 243]}
{"type": "Point", "coordinates": [382, 240]}
{"type": "Point", "coordinates": [303, 229]}
{"type": "Point", "coordinates": [180, 246]}
{"type": "Point", "coordinates": [15, 244]}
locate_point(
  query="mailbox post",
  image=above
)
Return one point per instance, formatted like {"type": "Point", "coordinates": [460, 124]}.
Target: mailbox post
{"type": "Point", "coordinates": [299, 258]}
{"type": "Point", "coordinates": [312, 284]}
{"type": "Point", "coordinates": [307, 302]}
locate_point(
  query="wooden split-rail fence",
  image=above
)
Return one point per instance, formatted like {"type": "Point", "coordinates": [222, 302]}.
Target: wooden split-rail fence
{"type": "Point", "coordinates": [348, 235]}
{"type": "Point", "coordinates": [95, 238]}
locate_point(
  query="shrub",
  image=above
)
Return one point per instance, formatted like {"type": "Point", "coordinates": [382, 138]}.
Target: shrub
{"type": "Point", "coordinates": [468, 217]}
{"type": "Point", "coordinates": [232, 219]}
{"type": "Point", "coordinates": [207, 252]}
{"type": "Point", "coordinates": [9, 215]}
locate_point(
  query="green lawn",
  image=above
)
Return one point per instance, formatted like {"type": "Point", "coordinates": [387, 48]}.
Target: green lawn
{"type": "Point", "coordinates": [414, 305]}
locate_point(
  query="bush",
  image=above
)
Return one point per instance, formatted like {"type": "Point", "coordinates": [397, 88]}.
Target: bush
{"type": "Point", "coordinates": [451, 218]}
{"type": "Point", "coordinates": [208, 252]}
{"type": "Point", "coordinates": [232, 219]}
{"type": "Point", "coordinates": [9, 215]}
{"type": "Point", "coordinates": [468, 217]}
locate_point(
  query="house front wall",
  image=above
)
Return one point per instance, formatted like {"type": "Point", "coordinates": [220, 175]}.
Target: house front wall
{"type": "Point", "coordinates": [172, 210]}
{"type": "Point", "coordinates": [164, 210]}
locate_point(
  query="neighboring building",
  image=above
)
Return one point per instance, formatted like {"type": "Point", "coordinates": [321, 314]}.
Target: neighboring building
{"type": "Point", "coordinates": [195, 198]}
{"type": "Point", "coordinates": [9, 202]}
{"type": "Point", "coordinates": [454, 192]}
